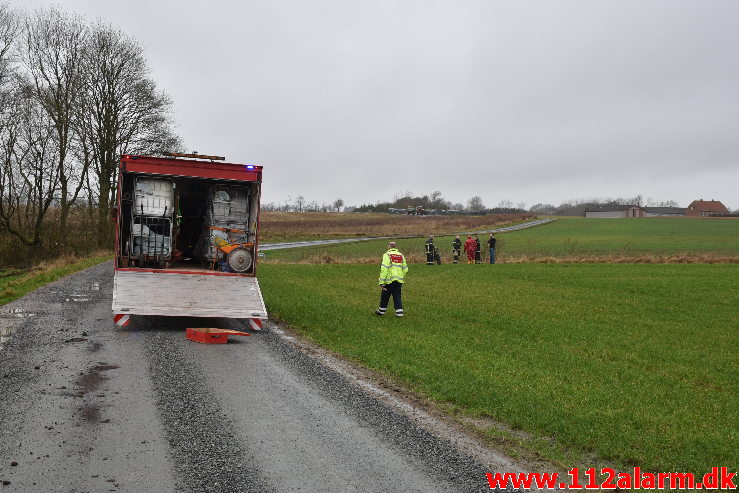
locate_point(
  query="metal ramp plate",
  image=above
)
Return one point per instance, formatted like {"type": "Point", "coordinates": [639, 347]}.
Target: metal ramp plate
{"type": "Point", "coordinates": [187, 295]}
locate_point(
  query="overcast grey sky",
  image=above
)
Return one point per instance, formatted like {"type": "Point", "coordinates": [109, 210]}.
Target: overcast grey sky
{"type": "Point", "coordinates": [529, 101]}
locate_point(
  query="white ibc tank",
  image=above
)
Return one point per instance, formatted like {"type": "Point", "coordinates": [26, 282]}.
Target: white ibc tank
{"type": "Point", "coordinates": [153, 197]}
{"type": "Point", "coordinates": [230, 205]}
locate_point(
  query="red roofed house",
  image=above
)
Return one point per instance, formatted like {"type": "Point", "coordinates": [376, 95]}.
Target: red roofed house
{"type": "Point", "coordinates": [707, 208]}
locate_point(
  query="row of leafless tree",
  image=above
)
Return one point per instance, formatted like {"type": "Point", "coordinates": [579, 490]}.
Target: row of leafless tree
{"type": "Point", "coordinates": [300, 204]}
{"type": "Point", "coordinates": [74, 96]}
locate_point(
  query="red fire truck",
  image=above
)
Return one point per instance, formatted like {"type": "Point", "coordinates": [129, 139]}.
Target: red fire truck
{"type": "Point", "coordinates": [186, 238]}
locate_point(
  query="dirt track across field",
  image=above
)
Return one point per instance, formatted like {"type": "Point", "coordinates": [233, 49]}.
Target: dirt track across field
{"type": "Point", "coordinates": [297, 244]}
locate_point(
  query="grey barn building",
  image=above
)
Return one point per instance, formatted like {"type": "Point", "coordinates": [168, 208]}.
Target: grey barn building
{"type": "Point", "coordinates": [616, 211]}
{"type": "Point", "coordinates": [665, 211]}
{"type": "Point", "coordinates": [621, 211]}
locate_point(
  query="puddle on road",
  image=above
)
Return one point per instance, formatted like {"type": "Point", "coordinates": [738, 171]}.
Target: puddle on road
{"type": "Point", "coordinates": [72, 297]}
{"type": "Point", "coordinates": [9, 322]}
{"type": "Point", "coordinates": [15, 313]}
{"type": "Point", "coordinates": [75, 296]}
{"type": "Point", "coordinates": [95, 286]}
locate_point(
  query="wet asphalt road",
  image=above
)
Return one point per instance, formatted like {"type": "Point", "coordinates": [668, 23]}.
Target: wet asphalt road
{"type": "Point", "coordinates": [85, 406]}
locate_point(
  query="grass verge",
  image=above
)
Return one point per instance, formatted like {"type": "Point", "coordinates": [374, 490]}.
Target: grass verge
{"type": "Point", "coordinates": [633, 364]}
{"type": "Point", "coordinates": [15, 283]}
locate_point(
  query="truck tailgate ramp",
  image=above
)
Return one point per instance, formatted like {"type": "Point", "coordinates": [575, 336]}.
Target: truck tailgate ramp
{"type": "Point", "coordinates": [187, 295]}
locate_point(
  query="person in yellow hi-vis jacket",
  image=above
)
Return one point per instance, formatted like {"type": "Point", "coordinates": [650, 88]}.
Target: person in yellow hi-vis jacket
{"type": "Point", "coordinates": [392, 276]}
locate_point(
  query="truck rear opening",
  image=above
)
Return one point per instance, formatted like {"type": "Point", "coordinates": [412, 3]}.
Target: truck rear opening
{"type": "Point", "coordinates": [186, 239]}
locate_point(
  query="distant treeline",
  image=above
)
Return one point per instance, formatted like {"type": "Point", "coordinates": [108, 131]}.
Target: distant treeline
{"type": "Point", "coordinates": [431, 202]}
{"type": "Point", "coordinates": [436, 202]}
{"type": "Point", "coordinates": [74, 96]}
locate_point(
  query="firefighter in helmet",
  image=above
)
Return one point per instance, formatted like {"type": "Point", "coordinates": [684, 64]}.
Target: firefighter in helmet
{"type": "Point", "coordinates": [456, 248]}
{"type": "Point", "coordinates": [430, 249]}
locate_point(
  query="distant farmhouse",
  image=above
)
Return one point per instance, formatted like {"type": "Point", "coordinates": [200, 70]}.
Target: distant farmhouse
{"type": "Point", "coordinates": [696, 208]}
{"type": "Point", "coordinates": [707, 208]}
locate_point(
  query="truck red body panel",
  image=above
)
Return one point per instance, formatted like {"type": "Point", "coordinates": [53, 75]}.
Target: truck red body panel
{"type": "Point", "coordinates": [191, 168]}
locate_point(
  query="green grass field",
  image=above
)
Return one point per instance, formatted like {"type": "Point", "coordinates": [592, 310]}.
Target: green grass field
{"type": "Point", "coordinates": [634, 363]}
{"type": "Point", "coordinates": [657, 235]}
{"type": "Point", "coordinates": [569, 237]}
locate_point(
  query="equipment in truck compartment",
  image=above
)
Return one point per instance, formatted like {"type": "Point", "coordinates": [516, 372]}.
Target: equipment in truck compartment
{"type": "Point", "coordinates": [227, 222]}
{"type": "Point", "coordinates": [151, 236]}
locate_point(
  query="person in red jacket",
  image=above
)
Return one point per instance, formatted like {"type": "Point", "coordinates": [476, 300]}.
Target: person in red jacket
{"type": "Point", "coordinates": [470, 246]}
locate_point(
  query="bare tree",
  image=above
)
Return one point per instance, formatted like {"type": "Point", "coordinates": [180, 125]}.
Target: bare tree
{"type": "Point", "coordinates": [543, 208]}
{"type": "Point", "coordinates": [338, 204]}
{"type": "Point", "coordinates": [299, 202]}
{"type": "Point", "coordinates": [29, 180]}
{"type": "Point", "coordinates": [73, 98]}
{"type": "Point", "coordinates": [9, 29]}
{"type": "Point", "coordinates": [51, 53]}
{"type": "Point", "coordinates": [402, 195]}
{"type": "Point", "coordinates": [123, 112]}
{"type": "Point", "coordinates": [475, 204]}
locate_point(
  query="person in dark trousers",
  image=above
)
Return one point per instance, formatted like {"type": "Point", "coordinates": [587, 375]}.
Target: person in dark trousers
{"type": "Point", "coordinates": [430, 250]}
{"type": "Point", "coordinates": [392, 276]}
{"type": "Point", "coordinates": [437, 255]}
{"type": "Point", "coordinates": [477, 250]}
{"type": "Point", "coordinates": [456, 248]}
{"type": "Point", "coordinates": [491, 246]}
{"type": "Point", "coordinates": [469, 248]}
